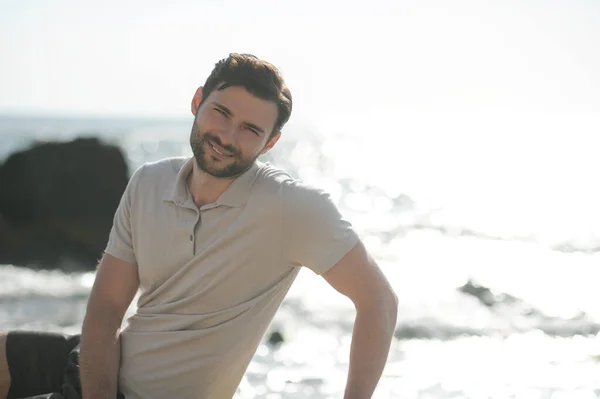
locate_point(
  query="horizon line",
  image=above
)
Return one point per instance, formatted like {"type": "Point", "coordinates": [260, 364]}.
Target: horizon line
{"type": "Point", "coordinates": [62, 114]}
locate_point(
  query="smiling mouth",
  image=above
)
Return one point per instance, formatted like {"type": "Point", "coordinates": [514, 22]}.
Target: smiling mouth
{"type": "Point", "coordinates": [219, 151]}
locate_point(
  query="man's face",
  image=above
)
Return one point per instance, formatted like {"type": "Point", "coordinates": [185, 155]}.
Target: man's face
{"type": "Point", "coordinates": [232, 129]}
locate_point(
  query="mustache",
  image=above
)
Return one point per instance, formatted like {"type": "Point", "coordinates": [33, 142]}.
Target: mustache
{"type": "Point", "coordinates": [215, 139]}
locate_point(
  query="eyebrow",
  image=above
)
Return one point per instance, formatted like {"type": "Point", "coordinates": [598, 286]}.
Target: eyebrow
{"type": "Point", "coordinates": [228, 112]}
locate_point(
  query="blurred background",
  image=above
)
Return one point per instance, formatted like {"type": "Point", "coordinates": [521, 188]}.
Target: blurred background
{"type": "Point", "coordinates": [458, 137]}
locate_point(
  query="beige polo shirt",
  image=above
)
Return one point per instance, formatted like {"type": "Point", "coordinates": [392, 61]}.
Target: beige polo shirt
{"type": "Point", "coordinates": [213, 277]}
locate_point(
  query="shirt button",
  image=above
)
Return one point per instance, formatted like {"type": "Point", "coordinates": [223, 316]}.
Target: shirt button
{"type": "Point", "coordinates": [191, 237]}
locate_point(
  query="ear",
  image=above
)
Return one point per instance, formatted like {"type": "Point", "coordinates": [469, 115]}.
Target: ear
{"type": "Point", "coordinates": [271, 143]}
{"type": "Point", "coordinates": [196, 100]}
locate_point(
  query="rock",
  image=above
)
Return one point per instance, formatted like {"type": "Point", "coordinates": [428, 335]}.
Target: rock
{"type": "Point", "coordinates": [57, 202]}
{"type": "Point", "coordinates": [275, 339]}
{"type": "Point", "coordinates": [484, 294]}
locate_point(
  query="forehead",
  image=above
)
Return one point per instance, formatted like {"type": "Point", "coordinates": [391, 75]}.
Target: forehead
{"type": "Point", "coordinates": [245, 106]}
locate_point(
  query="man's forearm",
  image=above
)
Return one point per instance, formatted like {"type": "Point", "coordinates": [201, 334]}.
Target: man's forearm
{"type": "Point", "coordinates": [100, 355]}
{"type": "Point", "coordinates": [371, 339]}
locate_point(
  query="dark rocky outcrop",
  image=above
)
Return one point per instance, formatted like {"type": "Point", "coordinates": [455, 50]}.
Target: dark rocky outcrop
{"type": "Point", "coordinates": [57, 202]}
{"type": "Point", "coordinates": [275, 339]}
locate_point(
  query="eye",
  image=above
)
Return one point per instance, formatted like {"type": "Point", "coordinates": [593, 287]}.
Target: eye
{"type": "Point", "coordinates": [220, 111]}
{"type": "Point", "coordinates": [256, 132]}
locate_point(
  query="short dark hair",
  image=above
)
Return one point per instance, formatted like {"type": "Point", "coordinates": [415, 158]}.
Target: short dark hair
{"type": "Point", "coordinates": [260, 78]}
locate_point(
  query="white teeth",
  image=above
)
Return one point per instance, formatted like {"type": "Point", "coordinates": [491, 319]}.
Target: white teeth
{"type": "Point", "coordinates": [218, 152]}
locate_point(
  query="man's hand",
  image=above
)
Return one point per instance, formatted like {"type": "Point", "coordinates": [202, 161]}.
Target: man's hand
{"type": "Point", "coordinates": [358, 277]}
{"type": "Point", "coordinates": [114, 288]}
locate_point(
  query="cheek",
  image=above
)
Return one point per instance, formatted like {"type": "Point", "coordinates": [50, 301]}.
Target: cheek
{"type": "Point", "coordinates": [251, 145]}
{"type": "Point", "coordinates": [204, 124]}
{"type": "Point", "coordinates": [198, 126]}
{"type": "Point", "coordinates": [213, 120]}
{"type": "Point", "coordinates": [250, 142]}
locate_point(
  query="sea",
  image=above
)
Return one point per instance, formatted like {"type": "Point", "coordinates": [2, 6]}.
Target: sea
{"type": "Point", "coordinates": [489, 233]}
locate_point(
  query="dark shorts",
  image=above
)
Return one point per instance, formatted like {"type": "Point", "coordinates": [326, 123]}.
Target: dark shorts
{"type": "Point", "coordinates": [43, 365]}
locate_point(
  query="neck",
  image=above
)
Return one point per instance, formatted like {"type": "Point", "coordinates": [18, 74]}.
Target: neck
{"type": "Point", "coordinates": [205, 188]}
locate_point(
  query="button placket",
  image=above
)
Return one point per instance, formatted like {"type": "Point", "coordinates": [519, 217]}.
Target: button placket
{"type": "Point", "coordinates": [192, 235]}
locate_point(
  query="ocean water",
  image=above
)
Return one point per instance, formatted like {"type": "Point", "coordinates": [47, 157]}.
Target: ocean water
{"type": "Point", "coordinates": [492, 245]}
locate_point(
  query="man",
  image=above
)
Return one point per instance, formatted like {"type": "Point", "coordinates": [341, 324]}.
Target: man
{"type": "Point", "coordinates": [214, 242]}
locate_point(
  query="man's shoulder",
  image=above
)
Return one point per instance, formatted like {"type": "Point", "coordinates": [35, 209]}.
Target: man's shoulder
{"type": "Point", "coordinates": [170, 165]}
{"type": "Point", "coordinates": [269, 174]}
{"type": "Point", "coordinates": [166, 167]}
{"type": "Point", "coordinates": [273, 179]}
{"type": "Point", "coordinates": [157, 177]}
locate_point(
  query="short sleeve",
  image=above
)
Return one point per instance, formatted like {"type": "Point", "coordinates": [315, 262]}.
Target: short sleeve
{"type": "Point", "coordinates": [315, 234]}
{"type": "Point", "coordinates": [120, 241]}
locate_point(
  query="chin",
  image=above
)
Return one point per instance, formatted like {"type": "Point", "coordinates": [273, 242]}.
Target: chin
{"type": "Point", "coordinates": [227, 170]}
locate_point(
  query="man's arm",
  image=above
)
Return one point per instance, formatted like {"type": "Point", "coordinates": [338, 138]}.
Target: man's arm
{"type": "Point", "coordinates": [358, 277]}
{"type": "Point", "coordinates": [115, 286]}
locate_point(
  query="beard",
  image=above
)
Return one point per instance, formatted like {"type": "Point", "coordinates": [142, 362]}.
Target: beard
{"type": "Point", "coordinates": [229, 168]}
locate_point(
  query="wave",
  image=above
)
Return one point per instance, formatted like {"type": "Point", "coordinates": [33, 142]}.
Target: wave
{"type": "Point", "coordinates": [510, 315]}
{"type": "Point", "coordinates": [473, 310]}
{"type": "Point", "coordinates": [566, 245]}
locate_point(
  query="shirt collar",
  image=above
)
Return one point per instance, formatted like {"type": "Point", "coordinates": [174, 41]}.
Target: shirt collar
{"type": "Point", "coordinates": [235, 195]}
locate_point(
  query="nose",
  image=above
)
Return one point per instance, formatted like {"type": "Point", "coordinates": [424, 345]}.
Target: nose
{"type": "Point", "coordinates": [227, 134]}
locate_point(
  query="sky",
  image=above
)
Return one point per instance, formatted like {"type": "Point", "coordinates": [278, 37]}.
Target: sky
{"type": "Point", "coordinates": [341, 59]}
